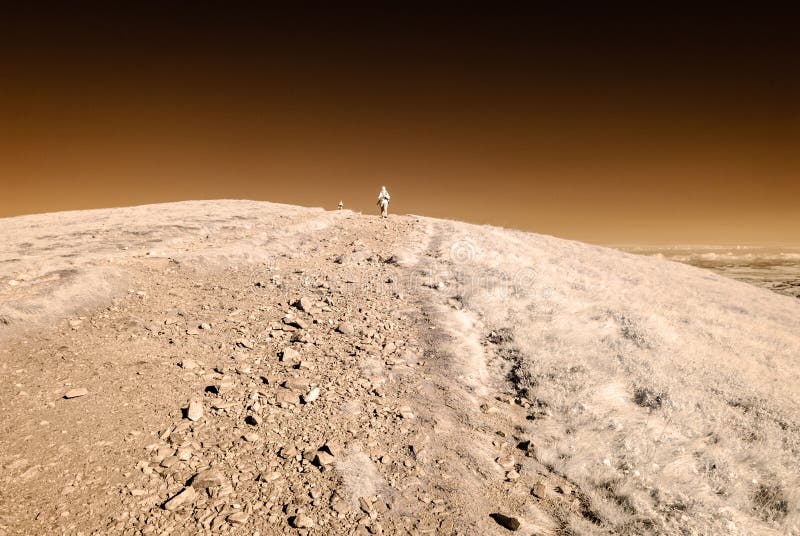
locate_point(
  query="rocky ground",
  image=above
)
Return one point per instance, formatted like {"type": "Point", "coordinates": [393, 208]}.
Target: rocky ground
{"type": "Point", "coordinates": [295, 395]}
{"type": "Point", "coordinates": [249, 368]}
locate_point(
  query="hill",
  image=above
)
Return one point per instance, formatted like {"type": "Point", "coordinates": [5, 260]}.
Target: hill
{"type": "Point", "coordinates": [245, 367]}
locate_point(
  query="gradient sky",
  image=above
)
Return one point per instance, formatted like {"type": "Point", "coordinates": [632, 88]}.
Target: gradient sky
{"type": "Point", "coordinates": [620, 125]}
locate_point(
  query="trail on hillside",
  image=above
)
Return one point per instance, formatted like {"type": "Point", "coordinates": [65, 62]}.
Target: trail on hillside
{"type": "Point", "coordinates": [249, 368]}
{"type": "Point", "coordinates": [297, 386]}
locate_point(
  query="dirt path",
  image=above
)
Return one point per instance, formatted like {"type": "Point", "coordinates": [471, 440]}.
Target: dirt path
{"type": "Point", "coordinates": [329, 370]}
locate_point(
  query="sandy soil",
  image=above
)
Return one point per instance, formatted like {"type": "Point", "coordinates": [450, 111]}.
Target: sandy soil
{"type": "Point", "coordinates": [253, 368]}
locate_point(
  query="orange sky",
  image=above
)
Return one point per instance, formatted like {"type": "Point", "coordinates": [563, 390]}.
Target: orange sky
{"type": "Point", "coordinates": [590, 127]}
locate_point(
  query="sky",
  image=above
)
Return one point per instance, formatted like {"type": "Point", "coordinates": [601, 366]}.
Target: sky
{"type": "Point", "coordinates": [612, 125]}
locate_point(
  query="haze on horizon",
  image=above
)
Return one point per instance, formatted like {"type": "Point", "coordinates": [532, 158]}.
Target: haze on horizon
{"type": "Point", "coordinates": [609, 126]}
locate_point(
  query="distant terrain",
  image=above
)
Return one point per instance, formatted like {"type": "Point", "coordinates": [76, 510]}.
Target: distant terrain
{"type": "Point", "coordinates": [249, 368]}
{"type": "Point", "coordinates": [774, 268]}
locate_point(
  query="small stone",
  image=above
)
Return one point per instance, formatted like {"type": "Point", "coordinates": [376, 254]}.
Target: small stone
{"type": "Point", "coordinates": [292, 321]}
{"type": "Point", "coordinates": [169, 461]}
{"type": "Point", "coordinates": [205, 326]}
{"type": "Point", "coordinates": [302, 522]}
{"type": "Point", "coordinates": [539, 490]}
{"type": "Point", "coordinates": [164, 451]}
{"type": "Point", "coordinates": [345, 328]}
{"type": "Point", "coordinates": [340, 506]}
{"type": "Point", "coordinates": [323, 458]}
{"type": "Point", "coordinates": [238, 518]}
{"type": "Point", "coordinates": [506, 462]}
{"type": "Point", "coordinates": [210, 478]}
{"type": "Point", "coordinates": [75, 393]}
{"type": "Point", "coordinates": [365, 505]}
{"type": "Point", "coordinates": [75, 324]}
{"type": "Point", "coordinates": [226, 383]}
{"type": "Point", "coordinates": [311, 396]}
{"type": "Point", "coordinates": [332, 447]}
{"type": "Point", "coordinates": [252, 437]}
{"type": "Point", "coordinates": [405, 412]}
{"type": "Point", "coordinates": [304, 304]}
{"type": "Point", "coordinates": [286, 397]}
{"type": "Point", "coordinates": [509, 522]}
{"type": "Point", "coordinates": [253, 420]}
{"type": "Point", "coordinates": [184, 454]}
{"type": "Point", "coordinates": [512, 476]}
{"type": "Point", "coordinates": [188, 364]}
{"type": "Point", "coordinates": [245, 343]}
{"type": "Point", "coordinates": [187, 495]}
{"type": "Point", "coordinates": [287, 452]}
{"type": "Point", "coordinates": [289, 355]}
{"type": "Point", "coordinates": [195, 411]}
{"type": "Point", "coordinates": [269, 477]}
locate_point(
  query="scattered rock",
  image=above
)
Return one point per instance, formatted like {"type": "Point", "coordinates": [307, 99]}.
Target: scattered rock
{"type": "Point", "coordinates": [186, 496]}
{"type": "Point", "coordinates": [302, 521]}
{"type": "Point", "coordinates": [188, 364]}
{"type": "Point", "coordinates": [287, 397]}
{"type": "Point", "coordinates": [294, 322]}
{"type": "Point", "coordinates": [195, 411]}
{"type": "Point", "coordinates": [506, 462]}
{"type": "Point", "coordinates": [169, 461]}
{"type": "Point", "coordinates": [210, 478]}
{"type": "Point", "coordinates": [339, 505]}
{"type": "Point", "coordinates": [311, 396]}
{"type": "Point", "coordinates": [245, 343]}
{"type": "Point", "coordinates": [322, 458]}
{"type": "Point", "coordinates": [289, 355]}
{"type": "Point", "coordinates": [238, 518]}
{"type": "Point", "coordinates": [405, 412]}
{"type": "Point", "coordinates": [304, 304]}
{"type": "Point", "coordinates": [508, 522]}
{"type": "Point", "coordinates": [75, 393]}
{"type": "Point", "coordinates": [345, 328]}
{"type": "Point", "coordinates": [288, 452]}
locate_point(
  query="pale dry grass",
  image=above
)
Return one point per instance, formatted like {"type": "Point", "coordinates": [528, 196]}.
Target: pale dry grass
{"type": "Point", "coordinates": [671, 393]}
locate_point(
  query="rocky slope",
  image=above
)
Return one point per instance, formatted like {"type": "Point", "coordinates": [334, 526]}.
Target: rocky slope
{"type": "Point", "coordinates": [250, 368]}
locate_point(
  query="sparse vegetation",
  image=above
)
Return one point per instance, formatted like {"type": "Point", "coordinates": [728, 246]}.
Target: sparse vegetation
{"type": "Point", "coordinates": [596, 394]}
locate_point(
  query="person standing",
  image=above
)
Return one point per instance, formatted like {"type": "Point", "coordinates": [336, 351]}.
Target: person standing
{"type": "Point", "coordinates": [383, 202]}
